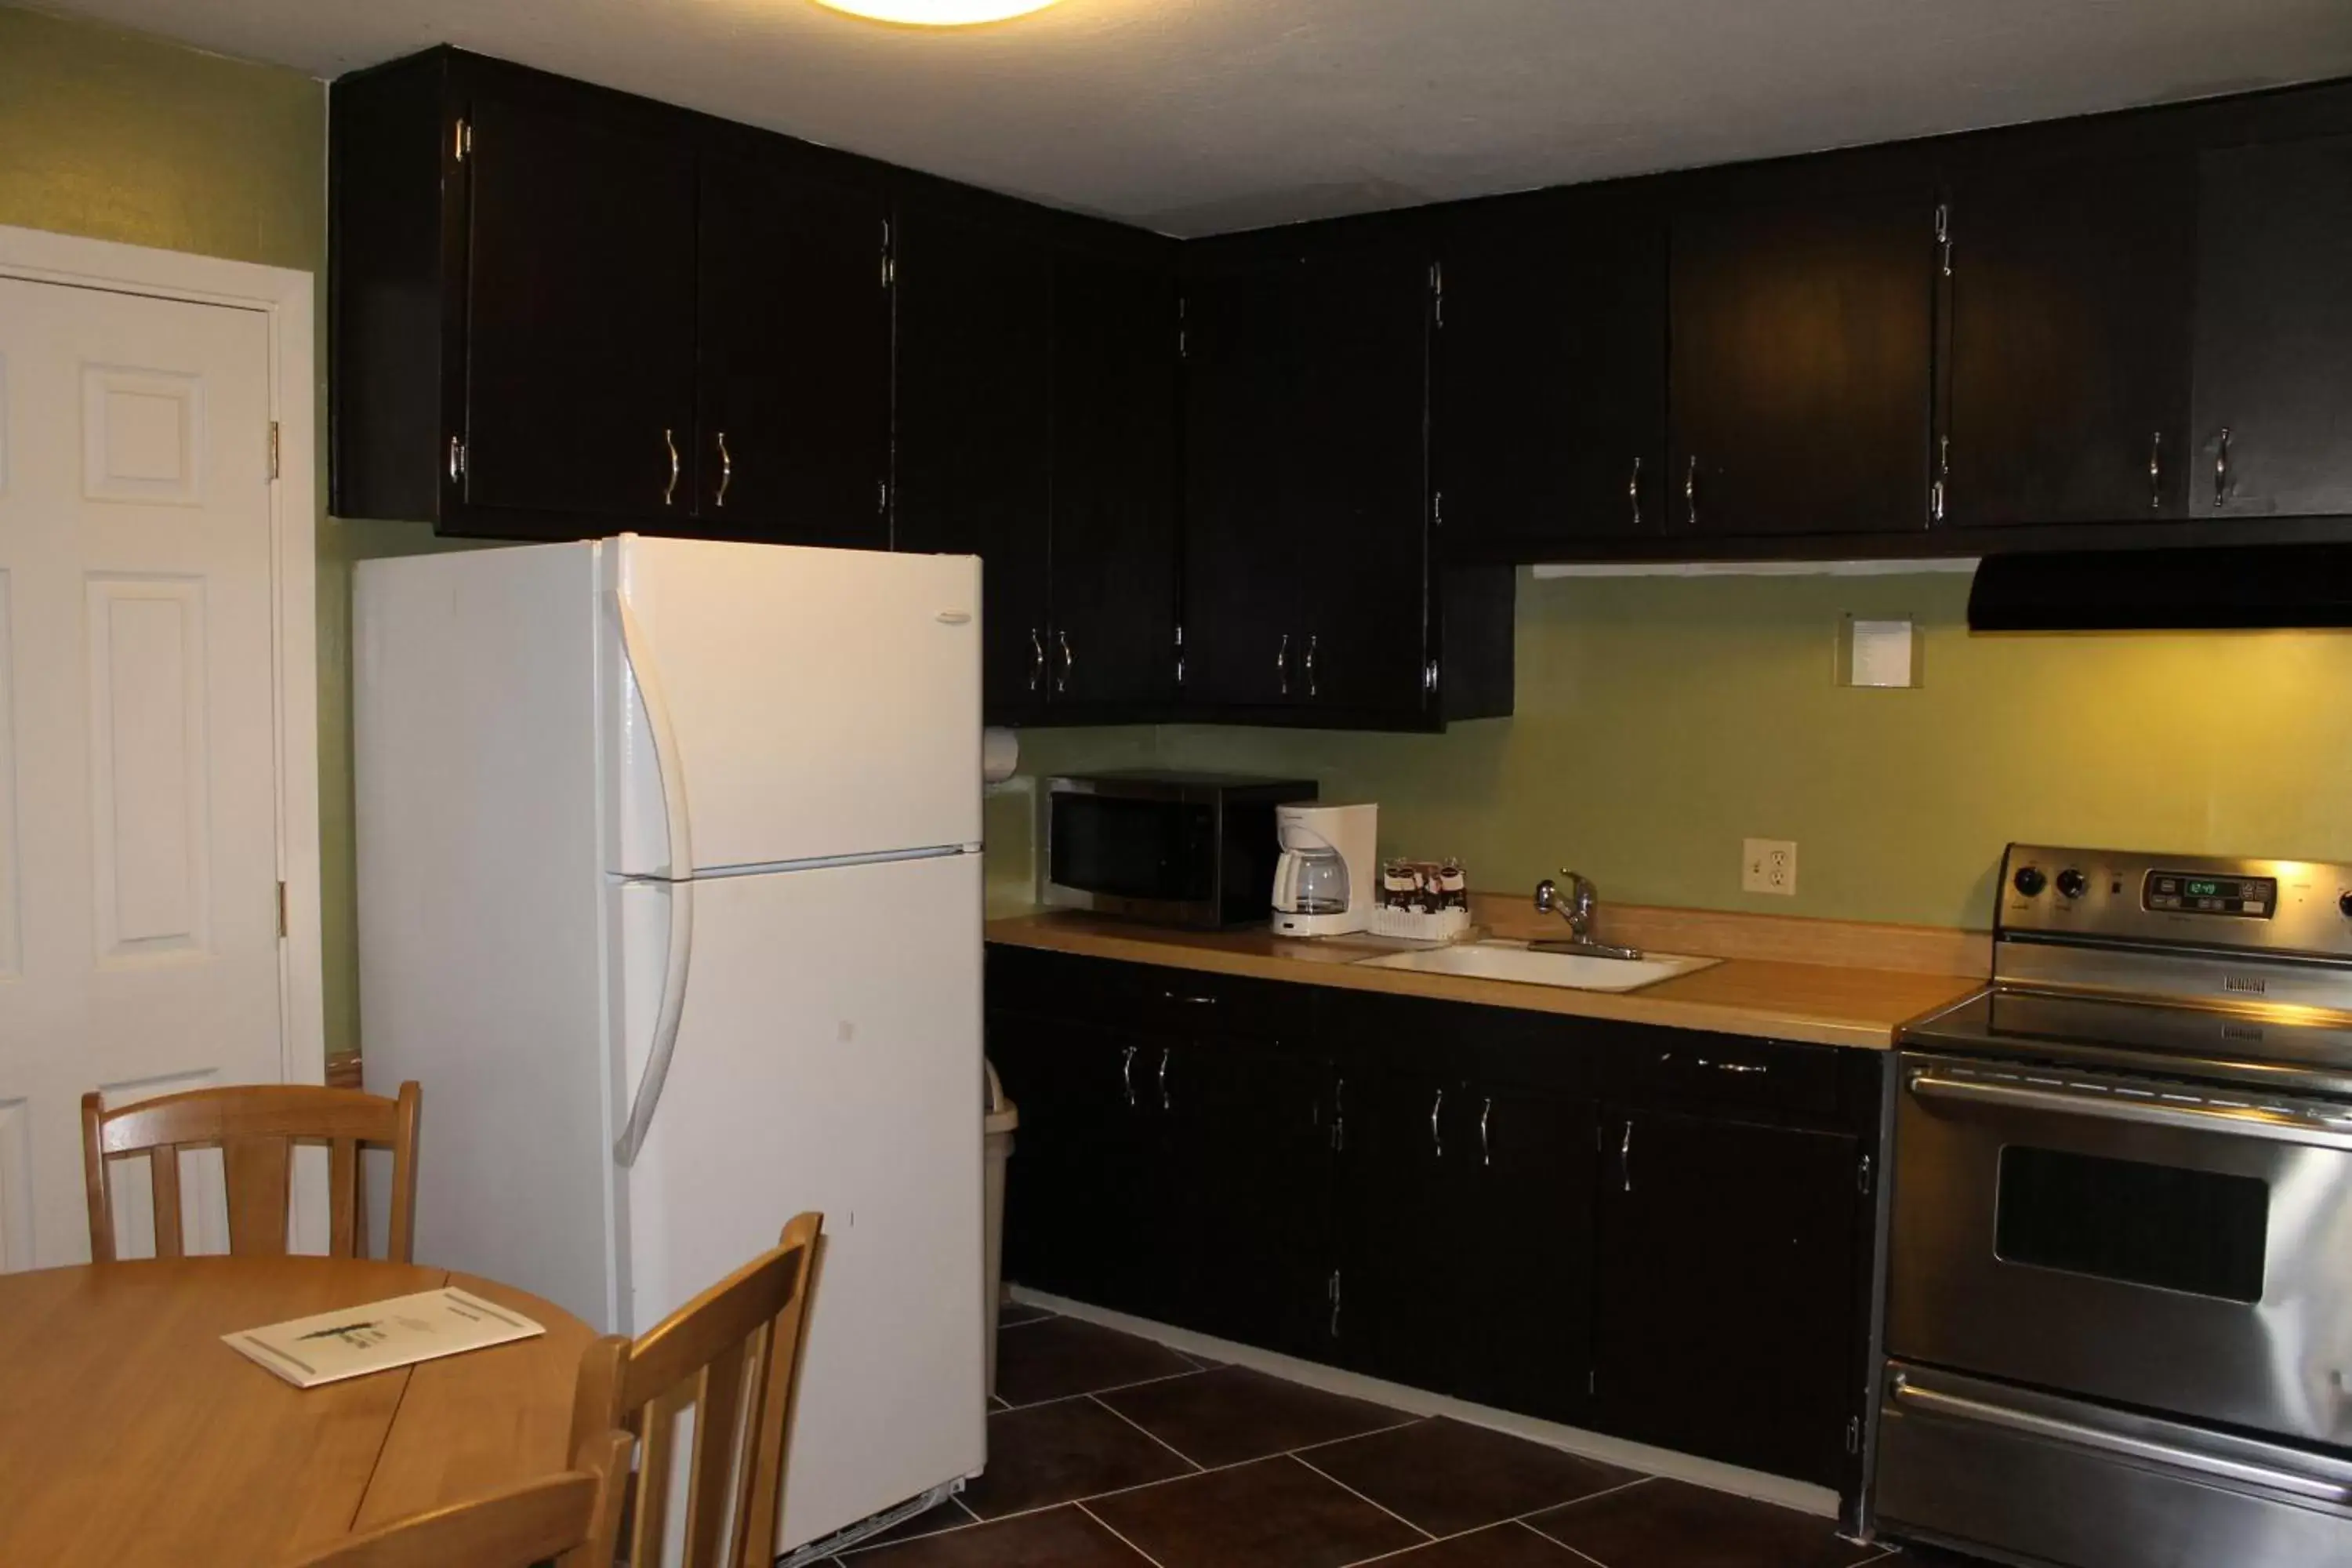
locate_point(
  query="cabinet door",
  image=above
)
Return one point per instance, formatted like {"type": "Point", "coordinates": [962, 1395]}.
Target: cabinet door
{"type": "Point", "coordinates": [974, 435]}
{"type": "Point", "coordinates": [580, 316]}
{"type": "Point", "coordinates": [1245, 374]}
{"type": "Point", "coordinates": [1727, 1292]}
{"type": "Point", "coordinates": [792, 386]}
{"type": "Point", "coordinates": [1114, 534]}
{"type": "Point", "coordinates": [2067, 307]}
{"type": "Point", "coordinates": [1357, 479]}
{"type": "Point", "coordinates": [1399, 1313]}
{"type": "Point", "coordinates": [1801, 330]}
{"type": "Point", "coordinates": [2274, 330]}
{"type": "Point", "coordinates": [1549, 413]}
{"type": "Point", "coordinates": [1525, 1276]}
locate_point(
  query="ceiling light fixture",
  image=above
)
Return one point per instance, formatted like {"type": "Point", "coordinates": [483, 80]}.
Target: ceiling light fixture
{"type": "Point", "coordinates": [937, 13]}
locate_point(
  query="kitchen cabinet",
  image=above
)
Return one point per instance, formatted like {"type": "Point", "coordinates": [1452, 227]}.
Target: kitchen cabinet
{"type": "Point", "coordinates": [1725, 1314]}
{"type": "Point", "coordinates": [1802, 326]}
{"type": "Point", "coordinates": [793, 352]}
{"type": "Point", "coordinates": [2273, 423]}
{"type": "Point", "coordinates": [1396, 1312]}
{"type": "Point", "coordinates": [1549, 405]}
{"type": "Point", "coordinates": [2066, 286]}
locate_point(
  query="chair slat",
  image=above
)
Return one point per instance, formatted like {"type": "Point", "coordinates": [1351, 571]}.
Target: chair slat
{"type": "Point", "coordinates": [342, 1197]}
{"type": "Point", "coordinates": [718, 1423]}
{"type": "Point", "coordinates": [163, 1180]}
{"type": "Point", "coordinates": [257, 1172]}
{"type": "Point", "coordinates": [656, 1443]}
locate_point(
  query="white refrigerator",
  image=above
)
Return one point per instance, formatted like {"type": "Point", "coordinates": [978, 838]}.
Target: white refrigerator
{"type": "Point", "coordinates": [669, 895]}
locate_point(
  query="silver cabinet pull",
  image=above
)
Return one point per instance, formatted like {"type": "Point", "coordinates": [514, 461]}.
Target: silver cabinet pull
{"type": "Point", "coordinates": [1165, 1052]}
{"type": "Point", "coordinates": [1282, 664]}
{"type": "Point", "coordinates": [1690, 491]}
{"type": "Point", "coordinates": [1486, 1150]}
{"type": "Point", "coordinates": [1736, 1067]}
{"type": "Point", "coordinates": [2221, 470]}
{"type": "Point", "coordinates": [1633, 491]}
{"type": "Point", "coordinates": [1943, 477]}
{"type": "Point", "coordinates": [726, 468]}
{"type": "Point", "coordinates": [1036, 660]}
{"type": "Point", "coordinates": [2155, 471]}
{"type": "Point", "coordinates": [1062, 681]}
{"type": "Point", "coordinates": [1310, 664]}
{"type": "Point", "coordinates": [669, 491]}
{"type": "Point", "coordinates": [1127, 1074]}
{"type": "Point", "coordinates": [1625, 1158]}
{"type": "Point", "coordinates": [1189, 999]}
{"type": "Point", "coordinates": [1437, 1139]}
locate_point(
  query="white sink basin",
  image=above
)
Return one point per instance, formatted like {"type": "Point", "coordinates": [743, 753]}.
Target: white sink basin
{"type": "Point", "coordinates": [1514, 962]}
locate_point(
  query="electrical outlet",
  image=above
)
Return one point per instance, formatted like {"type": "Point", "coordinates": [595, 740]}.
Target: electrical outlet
{"type": "Point", "coordinates": [1768, 866]}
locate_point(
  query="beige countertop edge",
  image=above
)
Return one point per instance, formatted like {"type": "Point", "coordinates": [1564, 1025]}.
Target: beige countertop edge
{"type": "Point", "coordinates": [1826, 1004]}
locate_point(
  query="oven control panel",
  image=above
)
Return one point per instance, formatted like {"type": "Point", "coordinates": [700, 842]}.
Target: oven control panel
{"type": "Point", "coordinates": [2284, 906]}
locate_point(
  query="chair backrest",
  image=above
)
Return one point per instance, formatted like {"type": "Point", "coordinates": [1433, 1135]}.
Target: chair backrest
{"type": "Point", "coordinates": [732, 1356]}
{"type": "Point", "coordinates": [573, 1518]}
{"type": "Point", "coordinates": [256, 1127]}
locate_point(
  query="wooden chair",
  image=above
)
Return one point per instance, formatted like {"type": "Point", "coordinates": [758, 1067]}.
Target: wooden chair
{"type": "Point", "coordinates": [573, 1518]}
{"type": "Point", "coordinates": [732, 1356]}
{"type": "Point", "coordinates": [256, 1128]}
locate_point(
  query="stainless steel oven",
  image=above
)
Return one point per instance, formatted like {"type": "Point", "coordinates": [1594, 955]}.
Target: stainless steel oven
{"type": "Point", "coordinates": [2119, 1299]}
{"type": "Point", "coordinates": [1174, 848]}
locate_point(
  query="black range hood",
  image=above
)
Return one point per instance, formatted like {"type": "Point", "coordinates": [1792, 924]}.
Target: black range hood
{"type": "Point", "coordinates": [2229, 588]}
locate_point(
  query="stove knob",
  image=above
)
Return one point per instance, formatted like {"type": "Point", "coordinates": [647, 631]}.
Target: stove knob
{"type": "Point", "coordinates": [2073, 883]}
{"type": "Point", "coordinates": [2030, 881]}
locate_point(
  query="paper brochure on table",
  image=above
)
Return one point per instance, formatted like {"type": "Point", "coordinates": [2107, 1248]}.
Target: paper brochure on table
{"type": "Point", "coordinates": [352, 1342]}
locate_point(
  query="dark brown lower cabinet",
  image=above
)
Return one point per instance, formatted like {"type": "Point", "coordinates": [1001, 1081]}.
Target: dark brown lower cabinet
{"type": "Point", "coordinates": [1725, 1311]}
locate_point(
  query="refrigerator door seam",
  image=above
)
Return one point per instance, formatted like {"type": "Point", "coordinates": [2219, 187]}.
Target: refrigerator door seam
{"type": "Point", "coordinates": [813, 863]}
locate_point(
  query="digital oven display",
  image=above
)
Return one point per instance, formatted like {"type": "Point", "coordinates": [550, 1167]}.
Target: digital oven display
{"type": "Point", "coordinates": [2179, 891]}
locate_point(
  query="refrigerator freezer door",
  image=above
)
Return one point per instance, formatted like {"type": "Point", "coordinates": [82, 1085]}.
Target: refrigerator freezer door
{"type": "Point", "coordinates": [828, 1058]}
{"type": "Point", "coordinates": [824, 702]}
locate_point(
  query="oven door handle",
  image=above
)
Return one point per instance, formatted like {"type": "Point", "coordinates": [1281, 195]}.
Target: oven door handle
{"type": "Point", "coordinates": [2245, 1122]}
{"type": "Point", "coordinates": [1929, 1401]}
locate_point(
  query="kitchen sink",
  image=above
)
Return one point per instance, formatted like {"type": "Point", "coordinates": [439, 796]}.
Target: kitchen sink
{"type": "Point", "coordinates": [1515, 961]}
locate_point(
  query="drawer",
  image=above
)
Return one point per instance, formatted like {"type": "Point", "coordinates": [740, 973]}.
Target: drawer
{"type": "Point", "coordinates": [1727, 1072]}
{"type": "Point", "coordinates": [1155, 998]}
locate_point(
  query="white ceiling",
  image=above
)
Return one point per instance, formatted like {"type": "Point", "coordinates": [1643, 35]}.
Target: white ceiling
{"type": "Point", "coordinates": [1196, 115]}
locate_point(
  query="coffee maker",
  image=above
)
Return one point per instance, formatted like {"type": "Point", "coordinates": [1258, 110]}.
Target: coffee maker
{"type": "Point", "coordinates": [1328, 879]}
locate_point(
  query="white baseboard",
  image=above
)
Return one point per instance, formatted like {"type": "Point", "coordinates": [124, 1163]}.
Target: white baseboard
{"type": "Point", "coordinates": [1799, 1495]}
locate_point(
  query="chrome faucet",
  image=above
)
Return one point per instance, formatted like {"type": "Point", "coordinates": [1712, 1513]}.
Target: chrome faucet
{"type": "Point", "coordinates": [1577, 911]}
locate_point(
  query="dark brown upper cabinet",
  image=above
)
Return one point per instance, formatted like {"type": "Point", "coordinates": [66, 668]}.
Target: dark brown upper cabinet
{"type": "Point", "coordinates": [2274, 360]}
{"type": "Point", "coordinates": [1801, 328]}
{"type": "Point", "coordinates": [2065, 282]}
{"type": "Point", "coordinates": [793, 351]}
{"type": "Point", "coordinates": [1549, 405]}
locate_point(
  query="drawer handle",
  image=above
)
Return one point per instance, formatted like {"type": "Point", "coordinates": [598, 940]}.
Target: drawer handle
{"type": "Point", "coordinates": [1736, 1067]}
{"type": "Point", "coordinates": [1190, 1000]}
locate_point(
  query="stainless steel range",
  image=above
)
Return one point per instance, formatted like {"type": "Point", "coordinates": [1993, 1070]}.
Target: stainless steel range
{"type": "Point", "coordinates": [2119, 1306]}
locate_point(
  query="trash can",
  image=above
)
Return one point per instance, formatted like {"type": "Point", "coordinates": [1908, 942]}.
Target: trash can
{"type": "Point", "coordinates": [999, 1117]}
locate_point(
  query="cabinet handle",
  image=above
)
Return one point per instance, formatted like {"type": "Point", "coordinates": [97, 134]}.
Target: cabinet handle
{"type": "Point", "coordinates": [1736, 1067]}
{"type": "Point", "coordinates": [669, 491]}
{"type": "Point", "coordinates": [1165, 1052]}
{"type": "Point", "coordinates": [1189, 999]}
{"type": "Point", "coordinates": [1486, 1150]}
{"type": "Point", "coordinates": [1310, 665]}
{"type": "Point", "coordinates": [2221, 468]}
{"type": "Point", "coordinates": [2155, 471]}
{"type": "Point", "coordinates": [1062, 681]}
{"type": "Point", "coordinates": [1626, 1159]}
{"type": "Point", "coordinates": [1634, 492]}
{"type": "Point", "coordinates": [1437, 1139]}
{"type": "Point", "coordinates": [1036, 658]}
{"type": "Point", "coordinates": [725, 470]}
{"type": "Point", "coordinates": [1282, 664]}
{"type": "Point", "coordinates": [1127, 1074]}
{"type": "Point", "coordinates": [1690, 492]}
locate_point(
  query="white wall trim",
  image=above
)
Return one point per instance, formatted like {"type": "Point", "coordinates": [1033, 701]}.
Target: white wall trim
{"type": "Point", "coordinates": [1799, 1495]}
{"type": "Point", "coordinates": [285, 297]}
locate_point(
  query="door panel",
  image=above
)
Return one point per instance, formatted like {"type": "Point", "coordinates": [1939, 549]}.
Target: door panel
{"type": "Point", "coordinates": [825, 701]}
{"type": "Point", "coordinates": [139, 949]}
{"type": "Point", "coordinates": [794, 352]}
{"type": "Point", "coordinates": [1252, 1148]}
{"type": "Point", "coordinates": [1399, 1311]}
{"type": "Point", "coordinates": [580, 309]}
{"type": "Point", "coordinates": [2274, 330]}
{"type": "Point", "coordinates": [1529, 1228]}
{"type": "Point", "coordinates": [2068, 303]}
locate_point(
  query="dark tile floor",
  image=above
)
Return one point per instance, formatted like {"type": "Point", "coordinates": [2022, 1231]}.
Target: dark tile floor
{"type": "Point", "coordinates": [1109, 1451]}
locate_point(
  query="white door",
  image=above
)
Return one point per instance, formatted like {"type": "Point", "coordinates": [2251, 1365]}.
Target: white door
{"type": "Point", "coordinates": [826, 703]}
{"type": "Point", "coordinates": [139, 949]}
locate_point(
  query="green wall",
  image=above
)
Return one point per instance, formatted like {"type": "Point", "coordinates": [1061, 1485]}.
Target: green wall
{"type": "Point", "coordinates": [1660, 721]}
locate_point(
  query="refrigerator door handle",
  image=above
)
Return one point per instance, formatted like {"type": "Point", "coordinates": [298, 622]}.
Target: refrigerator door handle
{"type": "Point", "coordinates": [639, 655]}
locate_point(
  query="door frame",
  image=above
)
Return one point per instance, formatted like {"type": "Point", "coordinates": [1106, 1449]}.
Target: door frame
{"type": "Point", "coordinates": [284, 298]}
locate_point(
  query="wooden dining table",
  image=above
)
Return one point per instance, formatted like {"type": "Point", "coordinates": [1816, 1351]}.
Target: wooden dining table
{"type": "Point", "coordinates": [130, 1433]}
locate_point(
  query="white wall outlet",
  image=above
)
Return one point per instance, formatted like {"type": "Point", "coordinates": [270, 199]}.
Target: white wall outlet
{"type": "Point", "coordinates": [1768, 866]}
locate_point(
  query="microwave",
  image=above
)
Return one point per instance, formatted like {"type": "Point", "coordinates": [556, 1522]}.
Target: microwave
{"type": "Point", "coordinates": [1174, 848]}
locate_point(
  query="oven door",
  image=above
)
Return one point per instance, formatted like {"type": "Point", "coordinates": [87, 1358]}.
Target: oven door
{"type": "Point", "coordinates": [2180, 1251]}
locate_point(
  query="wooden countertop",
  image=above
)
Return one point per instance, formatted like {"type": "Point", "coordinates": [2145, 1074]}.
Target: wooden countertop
{"type": "Point", "coordinates": [1829, 1003]}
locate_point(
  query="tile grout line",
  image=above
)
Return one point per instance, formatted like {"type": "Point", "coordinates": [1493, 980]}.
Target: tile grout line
{"type": "Point", "coordinates": [1113, 1388]}
{"type": "Point", "coordinates": [1426, 1537]}
{"type": "Point", "coordinates": [1374, 1432]}
{"type": "Point", "coordinates": [1520, 1520]}
{"type": "Point", "coordinates": [1122, 1540]}
{"type": "Point", "coordinates": [1574, 1501]}
{"type": "Point", "coordinates": [1198, 1469]}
